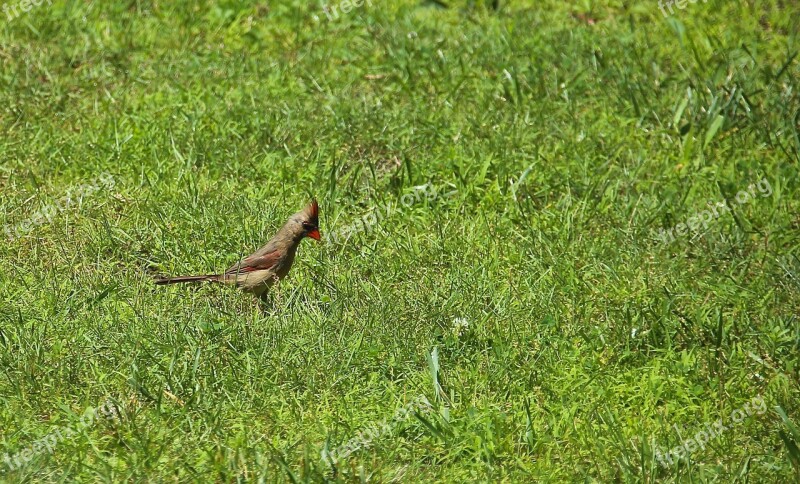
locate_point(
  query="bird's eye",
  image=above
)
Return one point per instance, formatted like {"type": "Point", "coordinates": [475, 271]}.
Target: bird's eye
{"type": "Point", "coordinates": [307, 226]}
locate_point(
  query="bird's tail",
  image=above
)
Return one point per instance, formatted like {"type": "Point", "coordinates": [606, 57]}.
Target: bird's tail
{"type": "Point", "coordinates": [176, 280]}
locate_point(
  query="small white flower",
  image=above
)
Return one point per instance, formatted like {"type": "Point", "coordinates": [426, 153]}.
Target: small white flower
{"type": "Point", "coordinates": [633, 332]}
{"type": "Point", "coordinates": [460, 325]}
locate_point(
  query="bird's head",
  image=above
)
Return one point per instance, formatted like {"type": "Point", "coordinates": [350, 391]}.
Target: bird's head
{"type": "Point", "coordinates": [308, 221]}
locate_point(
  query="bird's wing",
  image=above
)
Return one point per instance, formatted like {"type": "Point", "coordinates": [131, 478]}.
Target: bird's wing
{"type": "Point", "coordinates": [255, 263]}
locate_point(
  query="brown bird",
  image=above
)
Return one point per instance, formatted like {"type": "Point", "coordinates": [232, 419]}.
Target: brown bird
{"type": "Point", "coordinates": [256, 273]}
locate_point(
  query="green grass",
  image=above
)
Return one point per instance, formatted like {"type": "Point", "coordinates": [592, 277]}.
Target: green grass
{"type": "Point", "coordinates": [569, 134]}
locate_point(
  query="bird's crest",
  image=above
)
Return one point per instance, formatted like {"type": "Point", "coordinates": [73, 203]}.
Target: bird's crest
{"type": "Point", "coordinates": [312, 212]}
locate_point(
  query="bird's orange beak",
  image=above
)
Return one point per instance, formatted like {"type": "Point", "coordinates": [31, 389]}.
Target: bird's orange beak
{"type": "Point", "coordinates": [314, 234]}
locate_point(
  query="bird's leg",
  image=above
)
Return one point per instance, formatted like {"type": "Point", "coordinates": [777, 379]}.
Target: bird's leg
{"type": "Point", "coordinates": [267, 303]}
{"type": "Point", "coordinates": [264, 296]}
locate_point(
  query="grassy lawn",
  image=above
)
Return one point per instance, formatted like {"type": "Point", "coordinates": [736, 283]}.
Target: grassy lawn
{"type": "Point", "coordinates": [561, 241]}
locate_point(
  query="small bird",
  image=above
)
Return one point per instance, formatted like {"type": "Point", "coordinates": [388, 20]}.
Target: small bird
{"type": "Point", "coordinates": [257, 272]}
